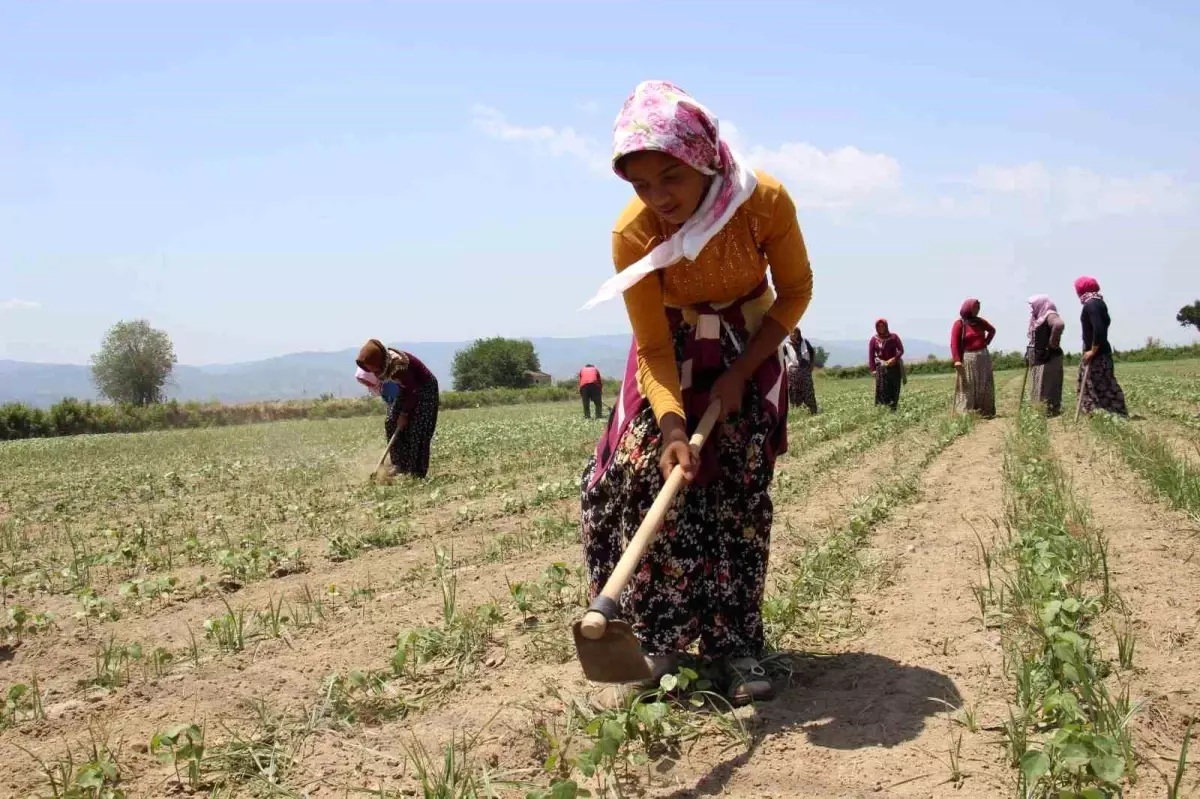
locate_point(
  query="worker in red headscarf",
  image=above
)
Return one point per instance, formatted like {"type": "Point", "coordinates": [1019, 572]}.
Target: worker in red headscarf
{"type": "Point", "coordinates": [885, 357]}
{"type": "Point", "coordinates": [1097, 382]}
{"type": "Point", "coordinates": [970, 336]}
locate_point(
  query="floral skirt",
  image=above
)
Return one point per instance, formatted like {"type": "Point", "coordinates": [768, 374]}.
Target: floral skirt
{"type": "Point", "coordinates": [703, 578]}
{"type": "Point", "coordinates": [410, 450]}
{"type": "Point", "coordinates": [1102, 391]}
{"type": "Point", "coordinates": [800, 387]}
{"type": "Point", "coordinates": [887, 384]}
{"type": "Point", "coordinates": [974, 389]}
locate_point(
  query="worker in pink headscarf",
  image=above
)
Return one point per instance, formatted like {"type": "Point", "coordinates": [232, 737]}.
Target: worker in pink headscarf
{"type": "Point", "coordinates": [1044, 354]}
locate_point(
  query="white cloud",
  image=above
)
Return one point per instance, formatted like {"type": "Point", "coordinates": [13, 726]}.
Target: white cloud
{"type": "Point", "coordinates": [556, 141]}
{"type": "Point", "coordinates": [847, 178]}
{"type": "Point", "coordinates": [833, 179]}
{"type": "Point", "coordinates": [1030, 177]}
{"type": "Point", "coordinates": [816, 179]}
{"type": "Point", "coordinates": [19, 305]}
{"type": "Point", "coordinates": [1074, 194]}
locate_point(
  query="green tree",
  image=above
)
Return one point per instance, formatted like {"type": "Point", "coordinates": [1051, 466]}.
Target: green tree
{"type": "Point", "coordinates": [133, 363]}
{"type": "Point", "coordinates": [1189, 315]}
{"type": "Point", "coordinates": [820, 356]}
{"type": "Point", "coordinates": [495, 363]}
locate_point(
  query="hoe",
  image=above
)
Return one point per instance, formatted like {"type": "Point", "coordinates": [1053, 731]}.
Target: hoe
{"type": "Point", "coordinates": [607, 648]}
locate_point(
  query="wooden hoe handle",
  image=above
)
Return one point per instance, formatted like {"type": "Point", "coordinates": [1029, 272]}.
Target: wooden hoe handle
{"type": "Point", "coordinates": [388, 448]}
{"type": "Point", "coordinates": [606, 605]}
{"type": "Point", "coordinates": [1087, 367]}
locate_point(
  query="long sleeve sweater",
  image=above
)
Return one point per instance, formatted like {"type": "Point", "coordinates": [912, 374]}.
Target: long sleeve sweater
{"type": "Point", "coordinates": [763, 233]}
{"type": "Point", "coordinates": [410, 382]}
{"type": "Point", "coordinates": [1046, 339]}
{"type": "Point", "coordinates": [893, 347]}
{"type": "Point", "coordinates": [1094, 320]}
{"type": "Point", "coordinates": [966, 338]}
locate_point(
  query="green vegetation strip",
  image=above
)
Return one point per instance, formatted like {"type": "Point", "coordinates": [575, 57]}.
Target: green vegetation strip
{"type": "Point", "coordinates": [916, 408]}
{"type": "Point", "coordinates": [71, 417]}
{"type": "Point", "coordinates": [1069, 735]}
{"type": "Point", "coordinates": [1165, 398]}
{"type": "Point", "coordinates": [1152, 458]}
{"type": "Point", "coordinates": [1016, 360]}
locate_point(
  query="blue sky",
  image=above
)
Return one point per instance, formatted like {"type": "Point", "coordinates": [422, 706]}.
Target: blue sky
{"type": "Point", "coordinates": [262, 177]}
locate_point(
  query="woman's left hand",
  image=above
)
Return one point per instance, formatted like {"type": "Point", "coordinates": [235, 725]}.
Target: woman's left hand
{"type": "Point", "coordinates": [728, 390]}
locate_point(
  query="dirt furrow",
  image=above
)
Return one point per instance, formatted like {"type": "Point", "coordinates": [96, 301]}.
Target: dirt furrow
{"type": "Point", "coordinates": [875, 718]}
{"type": "Point", "coordinates": [1154, 564]}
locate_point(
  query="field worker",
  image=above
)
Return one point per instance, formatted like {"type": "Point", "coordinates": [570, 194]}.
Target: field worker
{"type": "Point", "coordinates": [691, 252]}
{"type": "Point", "coordinates": [885, 356]}
{"type": "Point", "coordinates": [591, 390]}
{"type": "Point", "coordinates": [411, 392]}
{"type": "Point", "coordinates": [1044, 354]}
{"type": "Point", "coordinates": [799, 357]}
{"type": "Point", "coordinates": [1100, 390]}
{"type": "Point", "coordinates": [970, 335]}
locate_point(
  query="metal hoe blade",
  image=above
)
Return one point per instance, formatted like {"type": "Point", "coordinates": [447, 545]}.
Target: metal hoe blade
{"type": "Point", "coordinates": [615, 658]}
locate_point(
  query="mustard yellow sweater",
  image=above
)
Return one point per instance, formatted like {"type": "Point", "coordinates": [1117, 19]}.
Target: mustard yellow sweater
{"type": "Point", "coordinates": [762, 232]}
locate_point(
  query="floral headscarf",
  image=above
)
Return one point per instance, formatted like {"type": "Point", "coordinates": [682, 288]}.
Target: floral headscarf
{"type": "Point", "coordinates": [969, 310]}
{"type": "Point", "coordinates": [369, 380]}
{"type": "Point", "coordinates": [1088, 288]}
{"type": "Point", "coordinates": [661, 117]}
{"type": "Point", "coordinates": [1040, 307]}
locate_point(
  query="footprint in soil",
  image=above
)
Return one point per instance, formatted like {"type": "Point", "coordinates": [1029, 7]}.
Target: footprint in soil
{"type": "Point", "coordinates": [850, 700]}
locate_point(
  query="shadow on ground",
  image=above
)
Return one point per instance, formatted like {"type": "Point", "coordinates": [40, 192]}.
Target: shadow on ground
{"type": "Point", "coordinates": [850, 700]}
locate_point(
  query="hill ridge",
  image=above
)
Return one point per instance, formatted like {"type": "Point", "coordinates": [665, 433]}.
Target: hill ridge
{"type": "Point", "coordinates": [297, 375]}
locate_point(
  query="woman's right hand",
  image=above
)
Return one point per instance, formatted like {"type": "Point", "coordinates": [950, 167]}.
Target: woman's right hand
{"type": "Point", "coordinates": [676, 449]}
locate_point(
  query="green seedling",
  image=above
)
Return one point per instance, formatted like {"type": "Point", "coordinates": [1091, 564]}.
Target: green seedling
{"type": "Point", "coordinates": [98, 777]}
{"type": "Point", "coordinates": [229, 630]}
{"type": "Point", "coordinates": [159, 662]}
{"type": "Point", "coordinates": [182, 744]}
{"type": "Point", "coordinates": [114, 663]}
{"type": "Point", "coordinates": [272, 620]}
{"type": "Point", "coordinates": [22, 701]}
{"type": "Point", "coordinates": [457, 776]}
{"type": "Point", "coordinates": [1175, 785]}
{"type": "Point", "coordinates": [193, 649]}
{"type": "Point", "coordinates": [1016, 737]}
{"type": "Point", "coordinates": [521, 599]}
{"type": "Point", "coordinates": [1126, 643]}
{"type": "Point", "coordinates": [459, 643]}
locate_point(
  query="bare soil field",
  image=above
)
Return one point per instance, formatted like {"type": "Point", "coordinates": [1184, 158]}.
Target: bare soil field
{"type": "Point", "coordinates": [956, 607]}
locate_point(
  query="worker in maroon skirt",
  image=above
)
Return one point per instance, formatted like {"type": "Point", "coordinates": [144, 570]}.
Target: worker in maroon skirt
{"type": "Point", "coordinates": [411, 392]}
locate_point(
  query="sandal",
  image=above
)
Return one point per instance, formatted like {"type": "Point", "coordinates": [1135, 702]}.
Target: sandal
{"type": "Point", "coordinates": [748, 682]}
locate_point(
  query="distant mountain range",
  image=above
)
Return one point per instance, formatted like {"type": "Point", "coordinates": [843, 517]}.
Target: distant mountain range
{"type": "Point", "coordinates": [311, 374]}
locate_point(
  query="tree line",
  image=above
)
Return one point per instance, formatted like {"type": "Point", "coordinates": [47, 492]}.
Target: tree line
{"type": "Point", "coordinates": [135, 361]}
